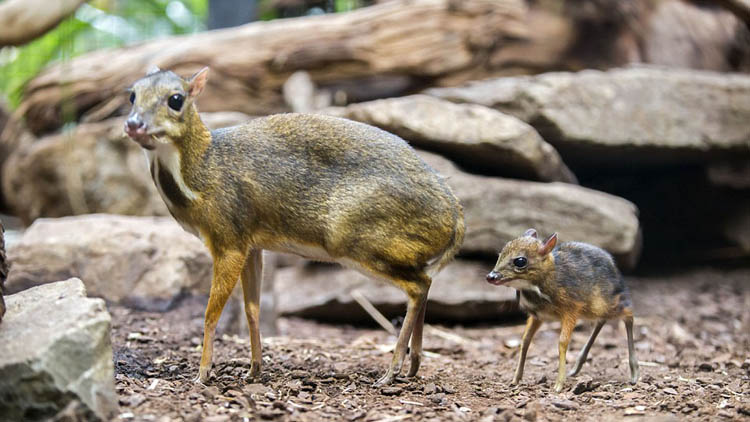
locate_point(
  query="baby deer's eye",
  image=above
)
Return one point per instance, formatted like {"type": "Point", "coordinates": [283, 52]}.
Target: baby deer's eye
{"type": "Point", "coordinates": [175, 102]}
{"type": "Point", "coordinates": [132, 97]}
{"type": "Point", "coordinates": [520, 262]}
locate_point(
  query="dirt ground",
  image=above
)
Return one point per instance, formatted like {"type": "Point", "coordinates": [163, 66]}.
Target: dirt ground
{"type": "Point", "coordinates": [692, 339]}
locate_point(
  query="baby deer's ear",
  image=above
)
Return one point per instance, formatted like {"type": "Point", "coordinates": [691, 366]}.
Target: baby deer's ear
{"type": "Point", "coordinates": [153, 69]}
{"type": "Point", "coordinates": [198, 82]}
{"type": "Point", "coordinates": [548, 245]}
{"type": "Point", "coordinates": [530, 233]}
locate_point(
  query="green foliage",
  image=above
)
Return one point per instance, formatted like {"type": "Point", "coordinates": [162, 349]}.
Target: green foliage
{"type": "Point", "coordinates": [102, 24]}
{"type": "Point", "coordinates": [96, 25]}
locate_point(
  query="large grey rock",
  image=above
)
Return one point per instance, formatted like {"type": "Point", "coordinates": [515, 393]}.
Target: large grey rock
{"type": "Point", "coordinates": [55, 348]}
{"type": "Point", "coordinates": [94, 168]}
{"type": "Point", "coordinates": [497, 210]}
{"type": "Point", "coordinates": [146, 262]}
{"type": "Point", "coordinates": [625, 116]}
{"type": "Point", "coordinates": [458, 293]}
{"type": "Point", "coordinates": [478, 138]}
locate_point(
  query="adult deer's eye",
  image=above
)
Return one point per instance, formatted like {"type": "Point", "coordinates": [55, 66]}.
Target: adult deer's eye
{"type": "Point", "coordinates": [175, 102]}
{"type": "Point", "coordinates": [520, 262]}
{"type": "Point", "coordinates": [132, 97]}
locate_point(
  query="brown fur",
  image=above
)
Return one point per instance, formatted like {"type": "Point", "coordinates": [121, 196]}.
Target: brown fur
{"type": "Point", "coordinates": [323, 187]}
{"type": "Point", "coordinates": [565, 283]}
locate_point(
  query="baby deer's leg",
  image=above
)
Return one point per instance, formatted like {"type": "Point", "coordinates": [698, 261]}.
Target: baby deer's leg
{"type": "Point", "coordinates": [631, 350]}
{"type": "Point", "coordinates": [417, 291]}
{"type": "Point", "coordinates": [227, 268]}
{"type": "Point", "coordinates": [252, 274]}
{"type": "Point", "coordinates": [415, 351]}
{"type": "Point", "coordinates": [585, 352]}
{"type": "Point", "coordinates": [532, 325]}
{"type": "Point", "coordinates": [568, 323]}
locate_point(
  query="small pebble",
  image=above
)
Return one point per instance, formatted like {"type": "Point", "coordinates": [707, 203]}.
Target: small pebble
{"type": "Point", "coordinates": [430, 388]}
{"type": "Point", "coordinates": [565, 404]}
{"type": "Point", "coordinates": [391, 391]}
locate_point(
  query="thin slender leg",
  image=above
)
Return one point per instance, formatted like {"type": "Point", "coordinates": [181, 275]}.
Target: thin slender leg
{"type": "Point", "coordinates": [252, 274]}
{"type": "Point", "coordinates": [268, 300]}
{"type": "Point", "coordinates": [568, 323]}
{"type": "Point", "coordinates": [585, 352]}
{"type": "Point", "coordinates": [415, 352]}
{"type": "Point", "coordinates": [417, 298]}
{"type": "Point", "coordinates": [634, 372]}
{"type": "Point", "coordinates": [532, 325]}
{"type": "Point", "coordinates": [227, 268]}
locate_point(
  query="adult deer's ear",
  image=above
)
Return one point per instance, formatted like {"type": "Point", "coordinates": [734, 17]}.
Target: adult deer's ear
{"type": "Point", "coordinates": [197, 82]}
{"type": "Point", "coordinates": [530, 233]}
{"type": "Point", "coordinates": [548, 245]}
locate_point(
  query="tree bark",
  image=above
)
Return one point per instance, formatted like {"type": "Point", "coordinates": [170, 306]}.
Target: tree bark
{"type": "Point", "coordinates": [412, 43]}
{"type": "Point", "coordinates": [23, 20]}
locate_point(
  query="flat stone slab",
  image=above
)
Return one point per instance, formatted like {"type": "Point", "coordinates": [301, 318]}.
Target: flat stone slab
{"type": "Point", "coordinates": [478, 138]}
{"type": "Point", "coordinates": [459, 293]}
{"type": "Point", "coordinates": [644, 114]}
{"type": "Point", "coordinates": [497, 210]}
{"type": "Point", "coordinates": [145, 262]}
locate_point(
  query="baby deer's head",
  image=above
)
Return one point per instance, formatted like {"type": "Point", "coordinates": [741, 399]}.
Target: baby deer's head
{"type": "Point", "coordinates": [161, 103]}
{"type": "Point", "coordinates": [524, 261]}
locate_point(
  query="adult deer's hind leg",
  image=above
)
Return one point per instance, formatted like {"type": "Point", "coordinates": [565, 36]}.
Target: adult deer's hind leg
{"type": "Point", "coordinates": [417, 289]}
{"type": "Point", "coordinates": [415, 351]}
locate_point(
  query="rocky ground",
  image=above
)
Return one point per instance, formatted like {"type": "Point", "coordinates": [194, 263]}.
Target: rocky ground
{"type": "Point", "coordinates": [692, 338]}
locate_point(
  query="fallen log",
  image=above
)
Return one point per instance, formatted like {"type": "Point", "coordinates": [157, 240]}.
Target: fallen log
{"type": "Point", "coordinates": [401, 46]}
{"type": "Point", "coordinates": [23, 20]}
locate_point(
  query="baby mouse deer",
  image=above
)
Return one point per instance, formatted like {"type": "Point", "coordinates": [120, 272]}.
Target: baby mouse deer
{"type": "Point", "coordinates": [325, 188]}
{"type": "Point", "coordinates": [564, 282]}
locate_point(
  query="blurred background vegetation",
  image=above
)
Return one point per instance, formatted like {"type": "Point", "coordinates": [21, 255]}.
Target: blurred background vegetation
{"type": "Point", "coordinates": [100, 24]}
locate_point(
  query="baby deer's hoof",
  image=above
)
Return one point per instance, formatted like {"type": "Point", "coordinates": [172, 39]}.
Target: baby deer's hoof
{"type": "Point", "coordinates": [254, 371]}
{"type": "Point", "coordinates": [559, 387]}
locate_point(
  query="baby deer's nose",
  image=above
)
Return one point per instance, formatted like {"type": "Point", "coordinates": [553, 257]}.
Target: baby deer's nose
{"type": "Point", "coordinates": [493, 276]}
{"type": "Point", "coordinates": [133, 124]}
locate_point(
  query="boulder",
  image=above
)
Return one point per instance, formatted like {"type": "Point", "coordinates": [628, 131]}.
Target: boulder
{"type": "Point", "coordinates": [478, 138]}
{"type": "Point", "coordinates": [459, 293]}
{"type": "Point", "coordinates": [625, 117]}
{"type": "Point", "coordinates": [94, 168]}
{"type": "Point", "coordinates": [497, 210]}
{"type": "Point", "coordinates": [55, 349]}
{"type": "Point", "coordinates": [145, 262]}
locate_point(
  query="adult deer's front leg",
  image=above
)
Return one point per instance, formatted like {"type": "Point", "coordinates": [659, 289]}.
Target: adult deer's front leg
{"type": "Point", "coordinates": [252, 274]}
{"type": "Point", "coordinates": [227, 268]}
